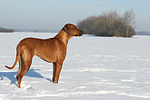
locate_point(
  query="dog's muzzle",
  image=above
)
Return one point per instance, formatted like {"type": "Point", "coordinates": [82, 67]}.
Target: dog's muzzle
{"type": "Point", "coordinates": [81, 33]}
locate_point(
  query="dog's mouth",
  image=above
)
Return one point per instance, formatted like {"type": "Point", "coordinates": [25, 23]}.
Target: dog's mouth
{"type": "Point", "coordinates": [80, 34]}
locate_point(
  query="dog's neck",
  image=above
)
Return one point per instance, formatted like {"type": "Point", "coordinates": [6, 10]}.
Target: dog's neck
{"type": "Point", "coordinates": [63, 36]}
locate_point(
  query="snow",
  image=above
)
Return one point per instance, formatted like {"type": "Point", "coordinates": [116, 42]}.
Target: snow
{"type": "Point", "coordinates": [106, 68]}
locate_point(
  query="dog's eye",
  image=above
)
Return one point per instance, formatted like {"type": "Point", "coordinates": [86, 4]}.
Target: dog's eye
{"type": "Point", "coordinates": [75, 28]}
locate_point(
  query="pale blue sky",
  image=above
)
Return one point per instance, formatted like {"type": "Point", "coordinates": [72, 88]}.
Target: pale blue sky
{"type": "Point", "coordinates": [53, 14]}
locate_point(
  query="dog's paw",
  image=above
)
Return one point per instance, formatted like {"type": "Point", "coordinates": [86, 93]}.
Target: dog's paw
{"type": "Point", "coordinates": [55, 81]}
{"type": "Point", "coordinates": [18, 85]}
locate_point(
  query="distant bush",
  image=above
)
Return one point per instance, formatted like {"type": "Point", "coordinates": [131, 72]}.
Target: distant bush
{"type": "Point", "coordinates": [109, 24]}
{"type": "Point", "coordinates": [6, 30]}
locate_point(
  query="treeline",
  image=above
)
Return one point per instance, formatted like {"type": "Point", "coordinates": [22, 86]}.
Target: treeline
{"type": "Point", "coordinates": [109, 24]}
{"type": "Point", "coordinates": [6, 30]}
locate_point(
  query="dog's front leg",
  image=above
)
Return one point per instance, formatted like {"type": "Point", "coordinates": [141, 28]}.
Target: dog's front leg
{"type": "Point", "coordinates": [57, 66]}
{"type": "Point", "coordinates": [54, 71]}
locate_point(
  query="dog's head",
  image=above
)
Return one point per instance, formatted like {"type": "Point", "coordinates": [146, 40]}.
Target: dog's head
{"type": "Point", "coordinates": [72, 30]}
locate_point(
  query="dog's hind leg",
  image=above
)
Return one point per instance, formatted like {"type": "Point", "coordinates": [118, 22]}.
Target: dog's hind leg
{"type": "Point", "coordinates": [25, 65]}
{"type": "Point", "coordinates": [21, 62]}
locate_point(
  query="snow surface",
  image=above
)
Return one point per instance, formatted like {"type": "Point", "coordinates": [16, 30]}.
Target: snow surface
{"type": "Point", "coordinates": [96, 68]}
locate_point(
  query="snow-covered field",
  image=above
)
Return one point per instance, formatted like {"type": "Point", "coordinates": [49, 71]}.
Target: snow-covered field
{"type": "Point", "coordinates": [96, 68]}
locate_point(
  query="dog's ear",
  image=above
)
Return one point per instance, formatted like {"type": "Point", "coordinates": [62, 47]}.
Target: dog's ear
{"type": "Point", "coordinates": [66, 28]}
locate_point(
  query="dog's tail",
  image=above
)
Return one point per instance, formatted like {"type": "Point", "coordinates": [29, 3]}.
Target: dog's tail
{"type": "Point", "coordinates": [17, 57]}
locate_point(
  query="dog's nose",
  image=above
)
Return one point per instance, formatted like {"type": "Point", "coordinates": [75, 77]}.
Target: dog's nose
{"type": "Point", "coordinates": [81, 33]}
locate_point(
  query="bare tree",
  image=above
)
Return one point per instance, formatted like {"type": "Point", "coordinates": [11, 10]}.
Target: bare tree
{"type": "Point", "coordinates": [111, 16]}
{"type": "Point", "coordinates": [109, 24]}
{"type": "Point", "coordinates": [129, 20]}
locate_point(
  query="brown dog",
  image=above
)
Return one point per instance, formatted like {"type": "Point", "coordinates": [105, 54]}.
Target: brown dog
{"type": "Point", "coordinates": [52, 50]}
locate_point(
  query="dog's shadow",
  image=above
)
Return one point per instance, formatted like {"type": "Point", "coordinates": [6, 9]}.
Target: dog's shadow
{"type": "Point", "coordinates": [11, 75]}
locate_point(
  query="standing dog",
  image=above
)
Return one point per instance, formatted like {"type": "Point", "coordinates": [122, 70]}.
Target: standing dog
{"type": "Point", "coordinates": [51, 50]}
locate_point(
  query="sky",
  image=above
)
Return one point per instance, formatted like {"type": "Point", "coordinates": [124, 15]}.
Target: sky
{"type": "Point", "coordinates": [54, 14]}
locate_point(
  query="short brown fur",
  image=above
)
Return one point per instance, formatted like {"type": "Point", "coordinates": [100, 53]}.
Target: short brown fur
{"type": "Point", "coordinates": [52, 50]}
